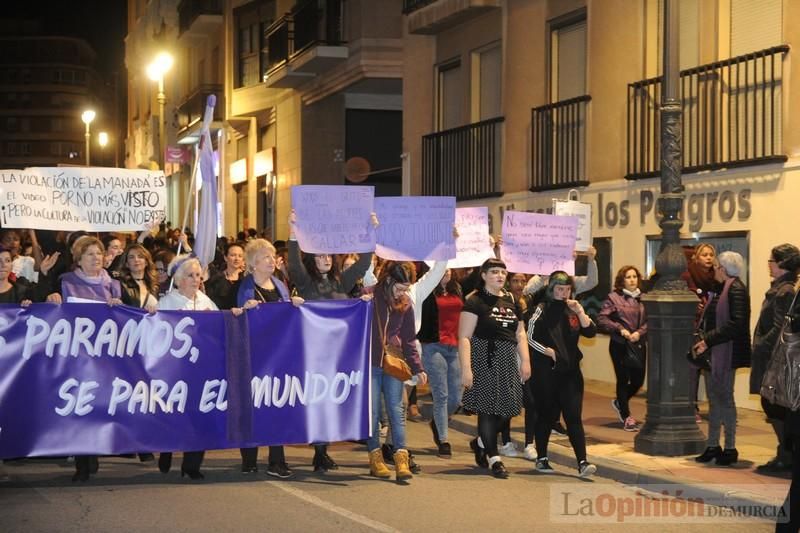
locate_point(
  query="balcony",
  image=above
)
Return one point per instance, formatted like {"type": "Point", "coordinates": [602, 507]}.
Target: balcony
{"type": "Point", "coordinates": [428, 17]}
{"type": "Point", "coordinates": [464, 162]}
{"type": "Point", "coordinates": [190, 111]}
{"type": "Point", "coordinates": [558, 149]}
{"type": "Point", "coordinates": [732, 115]}
{"type": "Point", "coordinates": [199, 17]}
{"type": "Point", "coordinates": [304, 43]}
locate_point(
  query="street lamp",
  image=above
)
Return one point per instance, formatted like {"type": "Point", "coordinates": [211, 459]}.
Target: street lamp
{"type": "Point", "coordinates": [102, 140]}
{"type": "Point", "coordinates": [156, 71]}
{"type": "Point", "coordinates": [87, 117]}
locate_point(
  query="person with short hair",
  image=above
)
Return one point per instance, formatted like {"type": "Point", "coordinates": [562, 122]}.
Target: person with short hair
{"type": "Point", "coordinates": [494, 360]}
{"type": "Point", "coordinates": [727, 334]}
{"type": "Point", "coordinates": [623, 317]}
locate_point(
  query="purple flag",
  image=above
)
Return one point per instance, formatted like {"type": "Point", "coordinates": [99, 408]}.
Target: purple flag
{"type": "Point", "coordinates": [205, 239]}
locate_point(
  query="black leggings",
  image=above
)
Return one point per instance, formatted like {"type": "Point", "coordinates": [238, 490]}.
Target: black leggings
{"type": "Point", "coordinates": [488, 426]}
{"type": "Point", "coordinates": [629, 380]}
{"type": "Point", "coordinates": [552, 390]}
{"type": "Point", "coordinates": [529, 402]}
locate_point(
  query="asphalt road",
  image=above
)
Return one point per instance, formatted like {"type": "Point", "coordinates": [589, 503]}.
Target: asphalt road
{"type": "Point", "coordinates": [449, 495]}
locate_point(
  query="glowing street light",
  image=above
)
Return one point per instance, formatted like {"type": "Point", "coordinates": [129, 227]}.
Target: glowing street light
{"type": "Point", "coordinates": [102, 139]}
{"type": "Point", "coordinates": [156, 71]}
{"type": "Point", "coordinates": [87, 117]}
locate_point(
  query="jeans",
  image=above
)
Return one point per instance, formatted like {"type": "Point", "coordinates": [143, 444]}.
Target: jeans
{"type": "Point", "coordinates": [722, 412]}
{"type": "Point", "coordinates": [444, 377]}
{"type": "Point", "coordinates": [392, 391]}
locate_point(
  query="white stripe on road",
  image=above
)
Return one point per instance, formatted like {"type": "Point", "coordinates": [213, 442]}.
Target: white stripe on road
{"type": "Point", "coordinates": [303, 495]}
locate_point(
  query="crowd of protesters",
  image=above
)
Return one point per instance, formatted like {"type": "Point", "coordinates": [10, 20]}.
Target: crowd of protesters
{"type": "Point", "coordinates": [487, 341]}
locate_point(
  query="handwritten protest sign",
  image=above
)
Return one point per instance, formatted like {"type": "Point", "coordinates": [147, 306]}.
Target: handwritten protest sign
{"type": "Point", "coordinates": [581, 210]}
{"type": "Point", "coordinates": [472, 244]}
{"type": "Point", "coordinates": [78, 198]}
{"type": "Point", "coordinates": [535, 243]}
{"type": "Point", "coordinates": [334, 219]}
{"type": "Point", "coordinates": [416, 228]}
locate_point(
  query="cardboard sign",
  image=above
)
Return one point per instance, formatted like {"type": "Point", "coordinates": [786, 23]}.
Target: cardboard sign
{"type": "Point", "coordinates": [81, 198]}
{"type": "Point", "coordinates": [583, 212]}
{"type": "Point", "coordinates": [472, 244]}
{"type": "Point", "coordinates": [536, 243]}
{"type": "Point", "coordinates": [416, 228]}
{"type": "Point", "coordinates": [334, 219]}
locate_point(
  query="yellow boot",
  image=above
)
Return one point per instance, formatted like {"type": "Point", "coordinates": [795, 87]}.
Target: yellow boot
{"type": "Point", "coordinates": [402, 471]}
{"type": "Point", "coordinates": [377, 467]}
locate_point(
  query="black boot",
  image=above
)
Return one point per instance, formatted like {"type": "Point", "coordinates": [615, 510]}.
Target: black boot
{"type": "Point", "coordinates": [729, 456]}
{"type": "Point", "coordinates": [94, 464]}
{"type": "Point", "coordinates": [81, 468]}
{"type": "Point", "coordinates": [712, 452]}
{"type": "Point", "coordinates": [165, 462]}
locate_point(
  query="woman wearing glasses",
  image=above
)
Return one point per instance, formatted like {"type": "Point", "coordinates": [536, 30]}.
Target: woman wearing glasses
{"type": "Point", "coordinates": [317, 277]}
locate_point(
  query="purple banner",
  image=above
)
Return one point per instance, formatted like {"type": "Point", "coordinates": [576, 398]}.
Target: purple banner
{"type": "Point", "coordinates": [78, 379]}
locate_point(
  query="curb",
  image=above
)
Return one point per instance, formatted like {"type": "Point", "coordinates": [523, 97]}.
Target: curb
{"type": "Point", "coordinates": [747, 503]}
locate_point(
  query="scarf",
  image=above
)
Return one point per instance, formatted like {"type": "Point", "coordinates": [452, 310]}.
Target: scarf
{"type": "Point", "coordinates": [722, 354]}
{"type": "Point", "coordinates": [99, 279]}
{"type": "Point", "coordinates": [633, 294]}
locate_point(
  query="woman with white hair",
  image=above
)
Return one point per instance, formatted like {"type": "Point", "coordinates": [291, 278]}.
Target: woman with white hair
{"type": "Point", "coordinates": [726, 327]}
{"type": "Point", "coordinates": [186, 296]}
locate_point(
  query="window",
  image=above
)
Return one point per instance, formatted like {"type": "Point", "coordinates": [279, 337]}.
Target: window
{"type": "Point", "coordinates": [568, 58]}
{"type": "Point", "coordinates": [25, 148]}
{"type": "Point", "coordinates": [57, 124]}
{"type": "Point", "coordinates": [688, 34]}
{"type": "Point", "coordinates": [11, 148]}
{"type": "Point", "coordinates": [755, 25]}
{"type": "Point", "coordinates": [487, 75]}
{"type": "Point", "coordinates": [449, 96]}
{"type": "Point", "coordinates": [251, 19]}
{"type": "Point", "coordinates": [12, 124]}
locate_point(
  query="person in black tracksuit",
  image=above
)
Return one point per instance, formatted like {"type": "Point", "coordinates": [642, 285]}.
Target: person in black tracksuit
{"type": "Point", "coordinates": [554, 327]}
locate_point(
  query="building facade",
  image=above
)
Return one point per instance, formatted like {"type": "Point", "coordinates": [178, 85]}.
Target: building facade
{"type": "Point", "coordinates": [47, 83]}
{"type": "Point", "coordinates": [513, 103]}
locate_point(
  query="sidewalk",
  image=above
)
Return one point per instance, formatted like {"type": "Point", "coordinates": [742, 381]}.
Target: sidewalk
{"type": "Point", "coordinates": [611, 449]}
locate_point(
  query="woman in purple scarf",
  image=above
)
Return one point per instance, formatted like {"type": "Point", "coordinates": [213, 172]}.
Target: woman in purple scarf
{"type": "Point", "coordinates": [88, 281]}
{"type": "Point", "coordinates": [726, 324]}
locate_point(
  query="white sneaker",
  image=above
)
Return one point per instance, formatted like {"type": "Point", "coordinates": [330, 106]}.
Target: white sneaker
{"type": "Point", "coordinates": [509, 449]}
{"type": "Point", "coordinates": [586, 469]}
{"type": "Point", "coordinates": [529, 452]}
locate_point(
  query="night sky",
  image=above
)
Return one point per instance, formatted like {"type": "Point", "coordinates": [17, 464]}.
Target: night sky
{"type": "Point", "coordinates": [101, 22]}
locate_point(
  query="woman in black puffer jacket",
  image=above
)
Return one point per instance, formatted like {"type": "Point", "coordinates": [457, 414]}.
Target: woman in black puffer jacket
{"type": "Point", "coordinates": [726, 324]}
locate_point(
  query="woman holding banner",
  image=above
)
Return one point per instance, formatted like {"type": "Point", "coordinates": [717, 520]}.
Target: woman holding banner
{"type": "Point", "coordinates": [261, 285]}
{"type": "Point", "coordinates": [494, 361]}
{"type": "Point", "coordinates": [223, 286]}
{"type": "Point", "coordinates": [186, 296]}
{"type": "Point", "coordinates": [88, 281]}
{"type": "Point", "coordinates": [317, 277]}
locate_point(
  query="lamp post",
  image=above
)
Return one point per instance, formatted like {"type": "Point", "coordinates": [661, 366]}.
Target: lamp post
{"type": "Point", "coordinates": [102, 140]}
{"type": "Point", "coordinates": [87, 117]}
{"type": "Point", "coordinates": [156, 71]}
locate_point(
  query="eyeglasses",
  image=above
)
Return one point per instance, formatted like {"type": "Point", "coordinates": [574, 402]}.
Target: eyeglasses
{"type": "Point", "coordinates": [161, 269]}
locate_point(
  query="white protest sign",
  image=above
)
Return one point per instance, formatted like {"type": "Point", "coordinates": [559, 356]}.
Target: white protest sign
{"type": "Point", "coordinates": [472, 244]}
{"type": "Point", "coordinates": [535, 243]}
{"type": "Point", "coordinates": [581, 210]}
{"type": "Point", "coordinates": [416, 228]}
{"type": "Point", "coordinates": [81, 198]}
{"type": "Point", "coordinates": [334, 219]}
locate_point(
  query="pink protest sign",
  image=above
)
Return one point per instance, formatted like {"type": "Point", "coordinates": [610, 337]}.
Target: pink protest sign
{"type": "Point", "coordinates": [536, 243]}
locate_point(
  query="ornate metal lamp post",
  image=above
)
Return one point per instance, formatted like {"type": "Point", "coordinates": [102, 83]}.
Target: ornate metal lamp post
{"type": "Point", "coordinates": [670, 428]}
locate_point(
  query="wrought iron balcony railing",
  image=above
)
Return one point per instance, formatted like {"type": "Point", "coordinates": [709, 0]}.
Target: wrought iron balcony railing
{"type": "Point", "coordinates": [463, 162]}
{"type": "Point", "coordinates": [732, 115]}
{"type": "Point", "coordinates": [192, 108]}
{"type": "Point", "coordinates": [558, 151]}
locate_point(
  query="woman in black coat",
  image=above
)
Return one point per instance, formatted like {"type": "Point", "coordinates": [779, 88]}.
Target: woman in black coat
{"type": "Point", "coordinates": [726, 323]}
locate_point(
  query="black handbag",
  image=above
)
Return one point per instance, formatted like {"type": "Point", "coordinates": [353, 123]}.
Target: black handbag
{"type": "Point", "coordinates": [635, 355]}
{"type": "Point", "coordinates": [781, 382]}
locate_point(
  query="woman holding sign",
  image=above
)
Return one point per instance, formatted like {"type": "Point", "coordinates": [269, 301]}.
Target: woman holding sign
{"type": "Point", "coordinates": [317, 277]}
{"type": "Point", "coordinates": [494, 361]}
